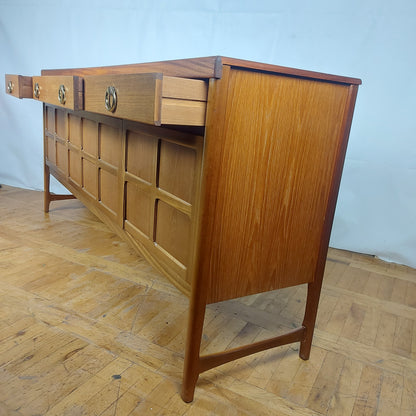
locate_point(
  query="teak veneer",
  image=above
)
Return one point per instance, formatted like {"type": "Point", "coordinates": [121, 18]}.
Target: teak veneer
{"type": "Point", "coordinates": [222, 173]}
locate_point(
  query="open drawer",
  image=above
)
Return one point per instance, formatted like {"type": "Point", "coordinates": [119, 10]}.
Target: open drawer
{"type": "Point", "coordinates": [65, 91]}
{"type": "Point", "coordinates": [148, 98]}
{"type": "Point", "coordinates": [19, 86]}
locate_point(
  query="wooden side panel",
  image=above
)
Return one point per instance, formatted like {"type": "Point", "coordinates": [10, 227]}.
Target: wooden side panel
{"type": "Point", "coordinates": [268, 182]}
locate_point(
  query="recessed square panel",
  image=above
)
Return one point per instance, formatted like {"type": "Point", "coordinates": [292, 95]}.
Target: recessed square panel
{"type": "Point", "coordinates": [139, 208]}
{"type": "Point", "coordinates": [50, 119]}
{"type": "Point", "coordinates": [110, 145]}
{"type": "Point", "coordinates": [109, 194]}
{"type": "Point", "coordinates": [75, 170]}
{"type": "Point", "coordinates": [75, 130]}
{"type": "Point", "coordinates": [141, 155]}
{"type": "Point", "coordinates": [51, 149]}
{"type": "Point", "coordinates": [62, 124]}
{"type": "Point", "coordinates": [90, 137]}
{"type": "Point", "coordinates": [173, 231]}
{"type": "Point", "coordinates": [62, 157]}
{"type": "Point", "coordinates": [177, 169]}
{"type": "Point", "coordinates": [90, 178]}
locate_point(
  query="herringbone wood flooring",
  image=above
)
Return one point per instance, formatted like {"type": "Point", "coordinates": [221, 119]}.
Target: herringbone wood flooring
{"type": "Point", "coordinates": [87, 327]}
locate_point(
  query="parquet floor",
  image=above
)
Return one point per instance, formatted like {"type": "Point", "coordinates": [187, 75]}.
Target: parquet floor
{"type": "Point", "coordinates": [89, 328]}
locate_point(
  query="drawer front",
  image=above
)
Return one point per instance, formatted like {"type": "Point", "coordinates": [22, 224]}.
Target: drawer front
{"type": "Point", "coordinates": [133, 96]}
{"type": "Point", "coordinates": [147, 98]}
{"type": "Point", "coordinates": [63, 91]}
{"type": "Point", "coordinates": [19, 86]}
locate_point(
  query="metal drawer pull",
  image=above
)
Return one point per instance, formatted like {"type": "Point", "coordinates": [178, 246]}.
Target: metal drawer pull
{"type": "Point", "coordinates": [10, 87]}
{"type": "Point", "coordinates": [62, 94]}
{"type": "Point", "coordinates": [111, 99]}
{"type": "Point", "coordinates": [36, 90]}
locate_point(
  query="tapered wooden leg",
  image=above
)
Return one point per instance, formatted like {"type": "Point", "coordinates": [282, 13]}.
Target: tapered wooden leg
{"type": "Point", "coordinates": [196, 364]}
{"type": "Point", "coordinates": [193, 345]}
{"type": "Point", "coordinates": [46, 187]}
{"type": "Point", "coordinates": [311, 310]}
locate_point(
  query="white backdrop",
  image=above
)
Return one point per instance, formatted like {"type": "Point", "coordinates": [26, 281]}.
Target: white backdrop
{"type": "Point", "coordinates": [369, 39]}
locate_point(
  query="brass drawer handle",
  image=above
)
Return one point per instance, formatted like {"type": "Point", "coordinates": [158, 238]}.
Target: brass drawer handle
{"type": "Point", "coordinates": [62, 94]}
{"type": "Point", "coordinates": [10, 87]}
{"type": "Point", "coordinates": [111, 99]}
{"type": "Point", "coordinates": [36, 90]}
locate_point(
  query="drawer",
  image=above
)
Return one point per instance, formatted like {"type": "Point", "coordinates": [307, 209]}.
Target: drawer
{"type": "Point", "coordinates": [19, 86]}
{"type": "Point", "coordinates": [147, 98]}
{"type": "Point", "coordinates": [64, 91]}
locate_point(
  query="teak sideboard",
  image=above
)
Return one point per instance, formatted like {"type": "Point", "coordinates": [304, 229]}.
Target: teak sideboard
{"type": "Point", "coordinates": [222, 173]}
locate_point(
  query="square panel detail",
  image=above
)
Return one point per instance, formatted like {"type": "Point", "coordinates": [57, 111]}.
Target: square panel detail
{"type": "Point", "coordinates": [50, 119]}
{"type": "Point", "coordinates": [177, 169]}
{"type": "Point", "coordinates": [62, 124]}
{"type": "Point", "coordinates": [90, 178]}
{"type": "Point", "coordinates": [173, 231]}
{"type": "Point", "coordinates": [109, 195]}
{"type": "Point", "coordinates": [110, 144]}
{"type": "Point", "coordinates": [51, 150]}
{"type": "Point", "coordinates": [90, 137]}
{"type": "Point", "coordinates": [139, 208]}
{"type": "Point", "coordinates": [141, 155]}
{"type": "Point", "coordinates": [75, 130]}
{"type": "Point", "coordinates": [75, 167]}
{"type": "Point", "coordinates": [62, 157]}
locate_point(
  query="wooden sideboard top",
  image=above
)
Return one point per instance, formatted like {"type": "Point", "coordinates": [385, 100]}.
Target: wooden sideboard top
{"type": "Point", "coordinates": [206, 67]}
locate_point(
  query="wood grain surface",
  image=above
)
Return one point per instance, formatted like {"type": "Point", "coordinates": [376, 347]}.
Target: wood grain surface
{"type": "Point", "coordinates": [269, 177]}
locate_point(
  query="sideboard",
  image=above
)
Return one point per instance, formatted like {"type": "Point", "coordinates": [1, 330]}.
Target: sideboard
{"type": "Point", "coordinates": [222, 173]}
